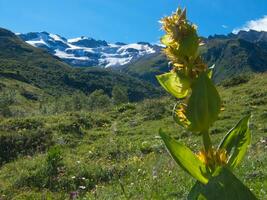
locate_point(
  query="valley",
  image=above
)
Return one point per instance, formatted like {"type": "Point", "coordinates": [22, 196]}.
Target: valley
{"type": "Point", "coordinates": [90, 131]}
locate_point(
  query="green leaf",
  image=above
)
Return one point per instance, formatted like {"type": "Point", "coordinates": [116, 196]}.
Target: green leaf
{"type": "Point", "coordinates": [185, 158]}
{"type": "Point", "coordinates": [204, 104]}
{"type": "Point", "coordinates": [225, 186]}
{"type": "Point", "coordinates": [174, 83]}
{"type": "Point", "coordinates": [236, 142]}
{"type": "Point", "coordinates": [189, 42]}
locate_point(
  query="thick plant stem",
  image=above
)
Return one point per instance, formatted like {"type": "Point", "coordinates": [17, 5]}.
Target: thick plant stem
{"type": "Point", "coordinates": [206, 140]}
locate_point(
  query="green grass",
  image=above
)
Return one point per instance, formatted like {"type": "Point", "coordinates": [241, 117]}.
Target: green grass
{"type": "Point", "coordinates": [117, 153]}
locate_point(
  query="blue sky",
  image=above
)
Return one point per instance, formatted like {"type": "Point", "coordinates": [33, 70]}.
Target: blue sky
{"type": "Point", "coordinates": [128, 20]}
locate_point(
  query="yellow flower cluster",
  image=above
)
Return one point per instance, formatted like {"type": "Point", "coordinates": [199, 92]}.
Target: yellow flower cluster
{"type": "Point", "coordinates": [213, 158]}
{"type": "Point", "coordinates": [182, 43]}
{"type": "Point", "coordinates": [179, 112]}
{"type": "Point", "coordinates": [190, 79]}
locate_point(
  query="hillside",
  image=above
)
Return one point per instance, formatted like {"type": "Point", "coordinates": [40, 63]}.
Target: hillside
{"type": "Point", "coordinates": [21, 62]}
{"type": "Point", "coordinates": [233, 54]}
{"type": "Point", "coordinates": [148, 67]}
{"type": "Point", "coordinates": [116, 153]}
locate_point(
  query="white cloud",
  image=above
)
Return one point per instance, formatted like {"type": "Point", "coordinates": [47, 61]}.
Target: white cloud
{"type": "Point", "coordinates": [224, 26]}
{"type": "Point", "coordinates": [257, 25]}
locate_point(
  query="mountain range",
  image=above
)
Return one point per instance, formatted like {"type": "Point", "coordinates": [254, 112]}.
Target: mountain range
{"type": "Point", "coordinates": [45, 68]}
{"type": "Point", "coordinates": [232, 54]}
{"type": "Point", "coordinates": [88, 52]}
{"type": "Point", "coordinates": [25, 64]}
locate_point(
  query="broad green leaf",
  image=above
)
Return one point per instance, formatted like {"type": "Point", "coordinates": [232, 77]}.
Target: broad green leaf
{"type": "Point", "coordinates": [236, 142]}
{"type": "Point", "coordinates": [204, 104]}
{"type": "Point", "coordinates": [225, 186]}
{"type": "Point", "coordinates": [185, 158]}
{"type": "Point", "coordinates": [176, 84]}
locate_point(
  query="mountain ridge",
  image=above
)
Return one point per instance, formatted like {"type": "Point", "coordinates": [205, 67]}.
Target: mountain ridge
{"type": "Point", "coordinates": [88, 52]}
{"type": "Point", "coordinates": [232, 54]}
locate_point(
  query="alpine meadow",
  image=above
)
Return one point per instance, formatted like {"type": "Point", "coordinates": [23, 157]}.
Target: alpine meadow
{"type": "Point", "coordinates": [84, 118]}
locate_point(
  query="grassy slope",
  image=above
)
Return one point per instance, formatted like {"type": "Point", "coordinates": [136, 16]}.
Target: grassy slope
{"type": "Point", "coordinates": [22, 104]}
{"type": "Point", "coordinates": [146, 68]}
{"type": "Point", "coordinates": [120, 151]}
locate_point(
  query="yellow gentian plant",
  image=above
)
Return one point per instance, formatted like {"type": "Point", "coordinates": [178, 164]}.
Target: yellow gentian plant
{"type": "Point", "coordinates": [198, 106]}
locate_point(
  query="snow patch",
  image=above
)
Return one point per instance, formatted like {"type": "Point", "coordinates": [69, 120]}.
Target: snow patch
{"type": "Point", "coordinates": [113, 61]}
{"type": "Point", "coordinates": [64, 55]}
{"type": "Point", "coordinates": [73, 40]}
{"type": "Point", "coordinates": [56, 37]}
{"type": "Point", "coordinates": [36, 43]}
{"type": "Point", "coordinates": [144, 49]}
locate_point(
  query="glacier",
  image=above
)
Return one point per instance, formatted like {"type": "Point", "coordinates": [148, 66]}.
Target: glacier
{"type": "Point", "coordinates": [88, 52]}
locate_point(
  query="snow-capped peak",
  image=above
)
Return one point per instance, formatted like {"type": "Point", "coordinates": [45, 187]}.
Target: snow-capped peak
{"type": "Point", "coordinates": [85, 51]}
{"type": "Point", "coordinates": [72, 40]}
{"type": "Point", "coordinates": [57, 37]}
